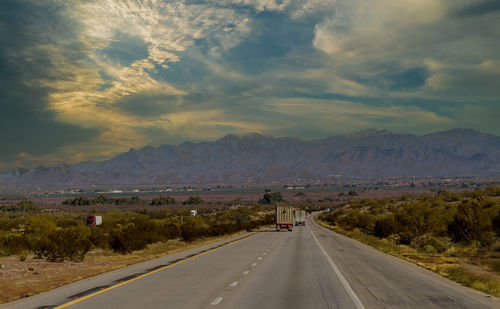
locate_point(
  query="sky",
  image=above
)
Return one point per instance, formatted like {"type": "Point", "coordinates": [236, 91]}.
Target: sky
{"type": "Point", "coordinates": [86, 80]}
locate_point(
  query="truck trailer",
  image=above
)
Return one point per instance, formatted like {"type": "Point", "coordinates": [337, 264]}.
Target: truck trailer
{"type": "Point", "coordinates": [300, 217]}
{"type": "Point", "coordinates": [94, 220]}
{"type": "Point", "coordinates": [284, 218]}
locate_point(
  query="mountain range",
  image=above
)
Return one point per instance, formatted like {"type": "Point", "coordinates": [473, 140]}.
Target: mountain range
{"type": "Point", "coordinates": [261, 158]}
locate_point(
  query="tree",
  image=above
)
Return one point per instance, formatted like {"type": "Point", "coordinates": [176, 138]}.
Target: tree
{"type": "Point", "coordinates": [102, 199]}
{"type": "Point", "coordinates": [193, 200]}
{"type": "Point", "coordinates": [163, 200]}
{"type": "Point", "coordinates": [271, 197]}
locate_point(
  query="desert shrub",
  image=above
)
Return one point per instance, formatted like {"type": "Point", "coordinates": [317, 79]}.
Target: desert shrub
{"type": "Point", "coordinates": [384, 226]}
{"type": "Point", "coordinates": [12, 244]}
{"type": "Point", "coordinates": [496, 224]}
{"type": "Point", "coordinates": [38, 229]}
{"type": "Point", "coordinates": [66, 221]}
{"type": "Point", "coordinates": [169, 230]}
{"type": "Point", "coordinates": [192, 228]}
{"type": "Point", "coordinates": [134, 236]}
{"type": "Point", "coordinates": [99, 238]}
{"type": "Point", "coordinates": [429, 249]}
{"type": "Point", "coordinates": [70, 243]}
{"type": "Point", "coordinates": [487, 239]}
{"type": "Point", "coordinates": [413, 219]}
{"type": "Point", "coordinates": [438, 244]}
{"type": "Point", "coordinates": [464, 226]}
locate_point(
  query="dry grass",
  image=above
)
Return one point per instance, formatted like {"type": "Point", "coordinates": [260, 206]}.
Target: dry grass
{"type": "Point", "coordinates": [20, 279]}
{"type": "Point", "coordinates": [473, 267]}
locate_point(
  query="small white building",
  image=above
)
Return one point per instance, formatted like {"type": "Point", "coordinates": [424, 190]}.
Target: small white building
{"type": "Point", "coordinates": [193, 212]}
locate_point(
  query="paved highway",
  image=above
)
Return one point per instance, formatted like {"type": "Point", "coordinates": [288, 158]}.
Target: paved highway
{"type": "Point", "coordinates": [310, 267]}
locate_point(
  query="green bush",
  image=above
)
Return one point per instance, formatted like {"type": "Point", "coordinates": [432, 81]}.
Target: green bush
{"type": "Point", "coordinates": [12, 244]}
{"type": "Point", "coordinates": [439, 244]}
{"type": "Point", "coordinates": [429, 249]}
{"type": "Point", "coordinates": [70, 243]}
{"type": "Point", "coordinates": [384, 226]}
{"type": "Point", "coordinates": [134, 236]}
{"type": "Point", "coordinates": [465, 225]}
{"type": "Point", "coordinates": [191, 228]}
{"type": "Point", "coordinates": [487, 239]}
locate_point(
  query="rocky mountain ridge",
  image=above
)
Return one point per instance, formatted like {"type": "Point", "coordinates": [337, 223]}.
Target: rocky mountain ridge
{"type": "Point", "coordinates": [257, 157]}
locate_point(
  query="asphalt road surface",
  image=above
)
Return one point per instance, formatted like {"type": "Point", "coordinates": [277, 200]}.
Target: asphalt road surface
{"type": "Point", "coordinates": [310, 267]}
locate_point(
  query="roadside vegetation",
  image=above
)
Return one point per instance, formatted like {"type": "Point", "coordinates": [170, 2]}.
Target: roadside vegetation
{"type": "Point", "coordinates": [454, 234]}
{"type": "Point", "coordinates": [37, 246]}
{"type": "Point", "coordinates": [24, 229]}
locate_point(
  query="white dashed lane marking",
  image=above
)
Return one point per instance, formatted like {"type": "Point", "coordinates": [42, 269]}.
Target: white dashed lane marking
{"type": "Point", "coordinates": [216, 301]}
{"type": "Point", "coordinates": [234, 283]}
{"type": "Point", "coordinates": [246, 272]}
{"type": "Point", "coordinates": [254, 264]}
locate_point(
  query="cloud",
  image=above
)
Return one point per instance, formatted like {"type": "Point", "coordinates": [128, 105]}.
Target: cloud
{"type": "Point", "coordinates": [379, 39]}
{"type": "Point", "coordinates": [475, 8]}
{"type": "Point", "coordinates": [90, 79]}
{"type": "Point", "coordinates": [26, 124]}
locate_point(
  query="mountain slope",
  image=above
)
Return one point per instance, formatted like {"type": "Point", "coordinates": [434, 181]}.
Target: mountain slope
{"type": "Point", "coordinates": [256, 157]}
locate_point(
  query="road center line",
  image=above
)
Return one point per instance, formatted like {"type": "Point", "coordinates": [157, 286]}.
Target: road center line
{"type": "Point", "coordinates": [216, 301]}
{"type": "Point", "coordinates": [344, 282]}
{"type": "Point", "coordinates": [149, 273]}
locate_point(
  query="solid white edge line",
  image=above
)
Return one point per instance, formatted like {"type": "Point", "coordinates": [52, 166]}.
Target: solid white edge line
{"type": "Point", "coordinates": [216, 301]}
{"type": "Point", "coordinates": [344, 282]}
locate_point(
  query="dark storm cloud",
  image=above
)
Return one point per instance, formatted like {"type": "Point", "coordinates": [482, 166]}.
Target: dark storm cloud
{"type": "Point", "coordinates": [26, 125]}
{"type": "Point", "coordinates": [479, 8]}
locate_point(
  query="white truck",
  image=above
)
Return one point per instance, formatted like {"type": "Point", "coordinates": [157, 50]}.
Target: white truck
{"type": "Point", "coordinates": [284, 218]}
{"type": "Point", "coordinates": [300, 217]}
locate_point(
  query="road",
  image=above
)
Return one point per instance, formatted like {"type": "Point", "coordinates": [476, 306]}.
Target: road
{"type": "Point", "coordinates": [310, 267]}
